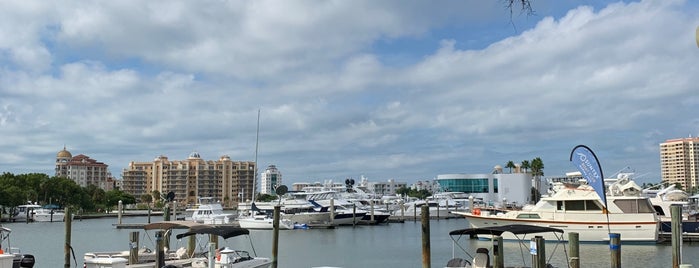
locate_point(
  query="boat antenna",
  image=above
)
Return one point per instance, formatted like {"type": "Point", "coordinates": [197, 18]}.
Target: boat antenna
{"type": "Point", "coordinates": [257, 142]}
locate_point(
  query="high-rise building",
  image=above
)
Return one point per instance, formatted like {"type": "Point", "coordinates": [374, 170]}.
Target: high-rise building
{"type": "Point", "coordinates": [225, 180]}
{"type": "Point", "coordinates": [82, 170]}
{"type": "Point", "coordinates": [270, 179]}
{"type": "Point", "coordinates": [679, 162]}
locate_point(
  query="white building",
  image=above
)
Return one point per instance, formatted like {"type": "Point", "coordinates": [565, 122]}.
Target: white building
{"type": "Point", "coordinates": [270, 179]}
{"type": "Point", "coordinates": [495, 187]}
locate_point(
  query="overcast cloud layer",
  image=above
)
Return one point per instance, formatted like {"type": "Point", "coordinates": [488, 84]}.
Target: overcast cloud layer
{"type": "Point", "coordinates": [347, 88]}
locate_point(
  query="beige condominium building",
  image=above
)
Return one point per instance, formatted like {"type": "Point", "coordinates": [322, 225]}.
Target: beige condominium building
{"type": "Point", "coordinates": [83, 170]}
{"type": "Point", "coordinates": [225, 180]}
{"type": "Point", "coordinates": [679, 161]}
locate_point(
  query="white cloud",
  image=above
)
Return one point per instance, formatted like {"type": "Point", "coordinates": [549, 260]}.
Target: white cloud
{"type": "Point", "coordinates": [130, 80]}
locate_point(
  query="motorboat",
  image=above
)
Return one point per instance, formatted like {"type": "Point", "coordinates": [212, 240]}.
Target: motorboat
{"type": "Point", "coordinates": [48, 214]}
{"type": "Point", "coordinates": [224, 257]}
{"type": "Point", "coordinates": [296, 210]}
{"type": "Point", "coordinates": [257, 219]}
{"type": "Point", "coordinates": [263, 221]}
{"type": "Point", "coordinates": [347, 211]}
{"type": "Point", "coordinates": [208, 211]}
{"type": "Point", "coordinates": [662, 201]}
{"type": "Point", "coordinates": [482, 257]}
{"type": "Point", "coordinates": [342, 215]}
{"type": "Point", "coordinates": [578, 208]}
{"type": "Point", "coordinates": [26, 212]}
{"type": "Point", "coordinates": [10, 256]}
{"type": "Point", "coordinates": [145, 255]}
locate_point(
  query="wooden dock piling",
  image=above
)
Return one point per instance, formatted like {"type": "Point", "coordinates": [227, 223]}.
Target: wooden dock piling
{"type": "Point", "coordinates": [426, 258]}
{"type": "Point", "coordinates": [615, 248]}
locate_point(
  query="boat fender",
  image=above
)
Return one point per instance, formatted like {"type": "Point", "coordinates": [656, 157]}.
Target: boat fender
{"type": "Point", "coordinates": [477, 211]}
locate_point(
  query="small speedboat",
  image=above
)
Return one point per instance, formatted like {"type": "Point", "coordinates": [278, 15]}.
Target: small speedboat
{"type": "Point", "coordinates": [13, 257]}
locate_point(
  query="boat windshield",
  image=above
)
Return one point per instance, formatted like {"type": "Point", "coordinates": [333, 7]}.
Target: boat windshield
{"type": "Point", "coordinates": [634, 205]}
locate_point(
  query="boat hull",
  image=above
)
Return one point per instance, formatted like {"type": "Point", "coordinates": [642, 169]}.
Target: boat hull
{"type": "Point", "coordinates": [588, 231]}
{"type": "Point", "coordinates": [264, 224]}
{"type": "Point", "coordinates": [687, 227]}
{"type": "Point", "coordinates": [49, 218]}
{"type": "Point", "coordinates": [309, 218]}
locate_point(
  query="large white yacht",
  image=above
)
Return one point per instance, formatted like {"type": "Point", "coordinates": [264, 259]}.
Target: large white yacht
{"type": "Point", "coordinates": [296, 210]}
{"type": "Point", "coordinates": [208, 211]}
{"type": "Point", "coordinates": [578, 208]}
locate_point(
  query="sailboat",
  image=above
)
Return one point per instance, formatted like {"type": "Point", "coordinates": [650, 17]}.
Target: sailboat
{"type": "Point", "coordinates": [256, 219]}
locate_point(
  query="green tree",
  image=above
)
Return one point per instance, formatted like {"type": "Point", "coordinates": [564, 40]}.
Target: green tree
{"type": "Point", "coordinates": [147, 198]}
{"type": "Point", "coordinates": [266, 198]}
{"type": "Point", "coordinates": [510, 165]}
{"type": "Point", "coordinates": [114, 196]}
{"type": "Point", "coordinates": [537, 167]}
{"type": "Point", "coordinates": [525, 165]}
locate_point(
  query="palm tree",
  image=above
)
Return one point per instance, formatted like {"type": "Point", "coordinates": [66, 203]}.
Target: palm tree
{"type": "Point", "coordinates": [537, 167]}
{"type": "Point", "coordinates": [525, 165]}
{"type": "Point", "coordinates": [510, 165]}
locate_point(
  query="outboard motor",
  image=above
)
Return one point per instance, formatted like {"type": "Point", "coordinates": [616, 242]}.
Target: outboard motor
{"type": "Point", "coordinates": [23, 260]}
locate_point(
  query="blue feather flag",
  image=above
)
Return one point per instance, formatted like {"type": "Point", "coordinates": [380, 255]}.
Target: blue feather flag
{"type": "Point", "coordinates": [586, 161]}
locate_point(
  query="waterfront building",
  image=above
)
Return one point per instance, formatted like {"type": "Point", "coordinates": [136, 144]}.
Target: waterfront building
{"type": "Point", "coordinates": [83, 170]}
{"type": "Point", "coordinates": [679, 162]}
{"type": "Point", "coordinates": [430, 186]}
{"type": "Point", "coordinates": [223, 179]}
{"type": "Point", "coordinates": [318, 186]}
{"type": "Point", "coordinates": [363, 185]}
{"type": "Point", "coordinates": [270, 179]}
{"type": "Point", "coordinates": [383, 188]}
{"type": "Point", "coordinates": [494, 187]}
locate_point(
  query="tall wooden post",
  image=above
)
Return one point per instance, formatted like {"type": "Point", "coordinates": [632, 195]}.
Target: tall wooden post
{"type": "Point", "coordinates": [332, 211]}
{"type": "Point", "coordinates": [275, 237]}
{"type": "Point", "coordinates": [354, 215]}
{"type": "Point", "coordinates": [615, 248]}
{"type": "Point", "coordinates": [212, 252]}
{"type": "Point", "coordinates": [539, 252]}
{"type": "Point", "coordinates": [426, 258]}
{"type": "Point", "coordinates": [574, 244]}
{"type": "Point", "coordinates": [498, 257]}
{"type": "Point", "coordinates": [676, 226]}
{"type": "Point", "coordinates": [159, 252]}
{"type": "Point", "coordinates": [120, 210]}
{"type": "Point", "coordinates": [191, 246]}
{"type": "Point", "coordinates": [133, 248]}
{"type": "Point", "coordinates": [66, 247]}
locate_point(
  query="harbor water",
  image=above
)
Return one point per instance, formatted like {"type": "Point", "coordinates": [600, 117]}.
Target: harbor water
{"type": "Point", "coordinates": [388, 245]}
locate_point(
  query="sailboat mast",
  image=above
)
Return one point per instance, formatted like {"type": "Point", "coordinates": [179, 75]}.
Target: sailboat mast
{"type": "Point", "coordinates": [257, 142]}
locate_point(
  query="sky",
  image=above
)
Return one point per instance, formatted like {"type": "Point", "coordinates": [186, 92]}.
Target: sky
{"type": "Point", "coordinates": [402, 90]}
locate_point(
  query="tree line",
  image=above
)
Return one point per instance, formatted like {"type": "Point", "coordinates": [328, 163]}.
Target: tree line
{"type": "Point", "coordinates": [20, 189]}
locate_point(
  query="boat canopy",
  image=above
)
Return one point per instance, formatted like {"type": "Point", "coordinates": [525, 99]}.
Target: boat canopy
{"type": "Point", "coordinates": [516, 229]}
{"type": "Point", "coordinates": [219, 230]}
{"type": "Point", "coordinates": [166, 225]}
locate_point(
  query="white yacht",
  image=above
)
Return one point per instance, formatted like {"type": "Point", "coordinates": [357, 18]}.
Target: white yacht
{"type": "Point", "coordinates": [208, 211]}
{"type": "Point", "coordinates": [48, 215]}
{"type": "Point", "coordinates": [225, 256]}
{"type": "Point", "coordinates": [298, 211]}
{"type": "Point", "coordinates": [259, 220]}
{"type": "Point", "coordinates": [578, 208]}
{"type": "Point", "coordinates": [26, 212]}
{"type": "Point", "coordinates": [663, 199]}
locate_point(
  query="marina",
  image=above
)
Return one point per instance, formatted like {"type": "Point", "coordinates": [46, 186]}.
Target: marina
{"type": "Point", "coordinates": [344, 246]}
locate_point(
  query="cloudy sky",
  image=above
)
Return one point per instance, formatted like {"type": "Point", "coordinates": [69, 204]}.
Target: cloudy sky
{"type": "Point", "coordinates": [401, 90]}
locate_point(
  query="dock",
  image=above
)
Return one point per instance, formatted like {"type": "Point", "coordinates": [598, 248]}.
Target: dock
{"type": "Point", "coordinates": [666, 237]}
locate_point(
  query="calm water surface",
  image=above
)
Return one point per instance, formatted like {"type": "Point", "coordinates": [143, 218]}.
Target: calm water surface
{"type": "Point", "coordinates": [391, 245]}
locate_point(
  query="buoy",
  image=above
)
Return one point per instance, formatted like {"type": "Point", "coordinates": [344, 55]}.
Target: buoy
{"type": "Point", "coordinates": [477, 211]}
